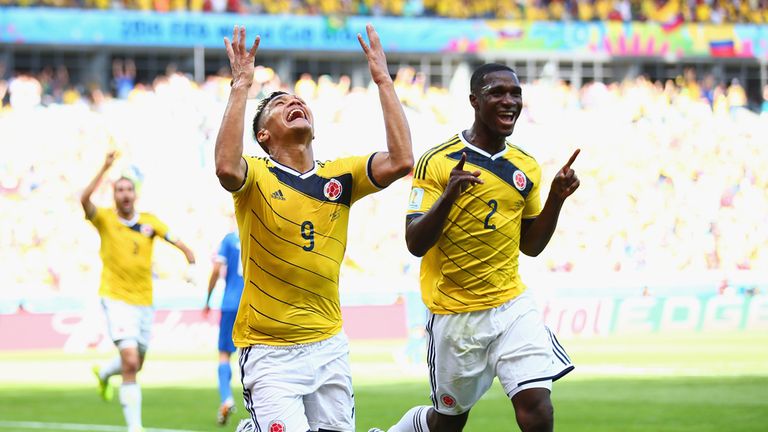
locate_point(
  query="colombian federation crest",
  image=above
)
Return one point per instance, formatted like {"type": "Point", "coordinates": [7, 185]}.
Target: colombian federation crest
{"type": "Point", "coordinates": [520, 181]}
{"type": "Point", "coordinates": [447, 400]}
{"type": "Point", "coordinates": [332, 189]}
{"type": "Point", "coordinates": [146, 230]}
{"type": "Point", "coordinates": [276, 426]}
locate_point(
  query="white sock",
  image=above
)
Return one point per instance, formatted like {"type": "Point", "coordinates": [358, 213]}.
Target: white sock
{"type": "Point", "coordinates": [110, 368]}
{"type": "Point", "coordinates": [415, 420]}
{"type": "Point", "coordinates": [130, 399]}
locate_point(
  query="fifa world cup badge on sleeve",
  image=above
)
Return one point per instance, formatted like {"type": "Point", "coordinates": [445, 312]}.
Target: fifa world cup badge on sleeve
{"type": "Point", "coordinates": [414, 202]}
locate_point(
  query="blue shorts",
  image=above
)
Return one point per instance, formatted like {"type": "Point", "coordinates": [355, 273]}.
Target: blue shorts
{"type": "Point", "coordinates": [226, 323]}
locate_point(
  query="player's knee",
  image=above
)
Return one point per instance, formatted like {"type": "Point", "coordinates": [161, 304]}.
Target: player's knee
{"type": "Point", "coordinates": [131, 366]}
{"type": "Point", "coordinates": [537, 416]}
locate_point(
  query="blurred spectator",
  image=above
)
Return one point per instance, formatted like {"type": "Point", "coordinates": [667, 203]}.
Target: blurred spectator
{"type": "Point", "coordinates": [124, 77]}
{"type": "Point", "coordinates": [737, 97]}
{"type": "Point", "coordinates": [24, 91]}
{"type": "Point", "coordinates": [764, 109]}
{"type": "Point", "coordinates": [3, 85]}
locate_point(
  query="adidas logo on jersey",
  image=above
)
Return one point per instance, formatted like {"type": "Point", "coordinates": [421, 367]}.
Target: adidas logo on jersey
{"type": "Point", "coordinates": [278, 195]}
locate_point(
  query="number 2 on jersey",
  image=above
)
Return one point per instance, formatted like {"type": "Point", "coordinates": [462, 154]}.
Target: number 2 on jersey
{"type": "Point", "coordinates": [308, 233]}
{"type": "Point", "coordinates": [494, 206]}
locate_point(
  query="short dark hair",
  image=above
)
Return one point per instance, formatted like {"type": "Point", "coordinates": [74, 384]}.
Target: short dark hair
{"type": "Point", "coordinates": [260, 110]}
{"type": "Point", "coordinates": [130, 180]}
{"type": "Point", "coordinates": [478, 76]}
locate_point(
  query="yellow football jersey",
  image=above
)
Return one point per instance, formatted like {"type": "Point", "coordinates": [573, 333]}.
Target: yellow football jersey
{"type": "Point", "coordinates": [126, 254]}
{"type": "Point", "coordinates": [473, 266]}
{"type": "Point", "coordinates": [293, 234]}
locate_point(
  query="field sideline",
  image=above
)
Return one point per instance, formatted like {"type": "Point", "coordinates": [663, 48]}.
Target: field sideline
{"type": "Point", "coordinates": [715, 382]}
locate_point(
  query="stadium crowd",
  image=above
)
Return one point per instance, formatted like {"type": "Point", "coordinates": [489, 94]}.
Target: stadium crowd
{"type": "Point", "coordinates": [674, 174]}
{"type": "Point", "coordinates": [666, 12]}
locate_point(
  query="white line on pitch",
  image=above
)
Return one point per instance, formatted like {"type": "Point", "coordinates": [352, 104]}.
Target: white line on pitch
{"type": "Point", "coordinates": [77, 427]}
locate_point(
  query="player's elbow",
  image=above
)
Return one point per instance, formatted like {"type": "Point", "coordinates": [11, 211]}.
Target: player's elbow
{"type": "Point", "coordinates": [228, 176]}
{"type": "Point", "coordinates": [404, 165]}
{"type": "Point", "coordinates": [530, 250]}
{"type": "Point", "coordinates": [414, 247]}
{"type": "Point", "coordinates": [416, 251]}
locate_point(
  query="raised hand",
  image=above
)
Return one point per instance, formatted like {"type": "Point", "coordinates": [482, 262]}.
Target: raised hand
{"type": "Point", "coordinates": [241, 60]}
{"type": "Point", "coordinates": [110, 159]}
{"type": "Point", "coordinates": [461, 180]}
{"type": "Point", "coordinates": [565, 182]}
{"type": "Point", "coordinates": [377, 61]}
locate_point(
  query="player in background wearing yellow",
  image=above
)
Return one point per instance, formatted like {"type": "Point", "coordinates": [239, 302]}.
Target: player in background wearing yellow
{"type": "Point", "coordinates": [126, 284]}
{"type": "Point", "coordinates": [473, 207]}
{"type": "Point", "coordinates": [229, 258]}
{"type": "Point", "coordinates": [292, 214]}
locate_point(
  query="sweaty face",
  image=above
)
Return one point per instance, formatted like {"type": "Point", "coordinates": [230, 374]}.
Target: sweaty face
{"type": "Point", "coordinates": [288, 114]}
{"type": "Point", "coordinates": [499, 102]}
{"type": "Point", "coordinates": [125, 196]}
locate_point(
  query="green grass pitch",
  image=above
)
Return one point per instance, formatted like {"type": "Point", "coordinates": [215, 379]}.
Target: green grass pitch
{"type": "Point", "coordinates": [642, 383]}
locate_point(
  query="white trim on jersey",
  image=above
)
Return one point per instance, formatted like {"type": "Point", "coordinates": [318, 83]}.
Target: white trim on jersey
{"type": "Point", "coordinates": [292, 171]}
{"type": "Point", "coordinates": [130, 222]}
{"type": "Point", "coordinates": [481, 151]}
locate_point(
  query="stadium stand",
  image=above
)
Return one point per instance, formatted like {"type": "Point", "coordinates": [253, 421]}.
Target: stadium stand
{"type": "Point", "coordinates": [676, 183]}
{"type": "Point", "coordinates": [667, 12]}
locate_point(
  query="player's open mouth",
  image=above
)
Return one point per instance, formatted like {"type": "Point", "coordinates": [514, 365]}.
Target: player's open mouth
{"type": "Point", "coordinates": [508, 117]}
{"type": "Point", "coordinates": [296, 113]}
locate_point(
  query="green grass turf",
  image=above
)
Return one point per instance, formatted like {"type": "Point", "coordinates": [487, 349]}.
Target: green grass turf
{"type": "Point", "coordinates": [669, 404]}
{"type": "Point", "coordinates": [714, 382]}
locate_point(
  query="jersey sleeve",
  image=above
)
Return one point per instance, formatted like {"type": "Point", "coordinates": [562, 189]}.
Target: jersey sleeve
{"type": "Point", "coordinates": [162, 231]}
{"type": "Point", "coordinates": [428, 185]}
{"type": "Point", "coordinates": [362, 178]}
{"type": "Point", "coordinates": [98, 218]}
{"type": "Point", "coordinates": [251, 176]}
{"type": "Point", "coordinates": [533, 200]}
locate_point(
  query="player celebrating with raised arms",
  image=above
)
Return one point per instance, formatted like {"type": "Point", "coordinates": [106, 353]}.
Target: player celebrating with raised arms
{"type": "Point", "coordinates": [127, 239]}
{"type": "Point", "coordinates": [473, 207]}
{"type": "Point", "coordinates": [292, 213]}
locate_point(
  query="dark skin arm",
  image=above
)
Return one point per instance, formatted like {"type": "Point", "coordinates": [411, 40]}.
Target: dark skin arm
{"type": "Point", "coordinates": [536, 233]}
{"type": "Point", "coordinates": [422, 232]}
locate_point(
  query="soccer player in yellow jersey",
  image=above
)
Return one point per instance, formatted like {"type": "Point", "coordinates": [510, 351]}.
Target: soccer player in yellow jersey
{"type": "Point", "coordinates": [292, 213]}
{"type": "Point", "coordinates": [473, 207]}
{"type": "Point", "coordinates": [126, 284]}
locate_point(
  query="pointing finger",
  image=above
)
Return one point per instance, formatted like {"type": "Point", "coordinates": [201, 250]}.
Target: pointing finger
{"type": "Point", "coordinates": [460, 165]}
{"type": "Point", "coordinates": [570, 161]}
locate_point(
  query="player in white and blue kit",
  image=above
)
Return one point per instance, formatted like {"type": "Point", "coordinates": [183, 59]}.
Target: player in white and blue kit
{"type": "Point", "coordinates": [228, 256]}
